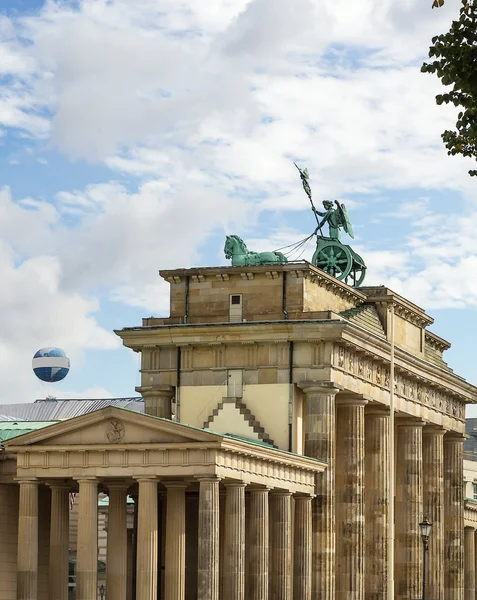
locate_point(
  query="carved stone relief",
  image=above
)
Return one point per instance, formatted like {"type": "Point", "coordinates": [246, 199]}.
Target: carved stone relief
{"type": "Point", "coordinates": [115, 431]}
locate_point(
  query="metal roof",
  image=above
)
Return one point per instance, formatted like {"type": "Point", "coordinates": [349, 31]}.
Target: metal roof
{"type": "Point", "coordinates": [8, 418]}
{"type": "Point", "coordinates": [60, 410]}
{"type": "Point", "coordinates": [12, 429]}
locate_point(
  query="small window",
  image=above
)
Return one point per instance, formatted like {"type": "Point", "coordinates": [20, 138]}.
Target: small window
{"type": "Point", "coordinates": [474, 491]}
{"type": "Point", "coordinates": [235, 307]}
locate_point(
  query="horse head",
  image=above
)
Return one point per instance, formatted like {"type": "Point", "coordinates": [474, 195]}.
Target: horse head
{"type": "Point", "coordinates": [228, 248]}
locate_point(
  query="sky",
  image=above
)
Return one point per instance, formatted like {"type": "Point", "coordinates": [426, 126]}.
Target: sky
{"type": "Point", "coordinates": [135, 135]}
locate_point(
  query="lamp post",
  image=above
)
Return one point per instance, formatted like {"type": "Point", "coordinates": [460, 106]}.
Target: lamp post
{"type": "Point", "coordinates": [425, 528]}
{"type": "Point", "coordinates": [101, 591]}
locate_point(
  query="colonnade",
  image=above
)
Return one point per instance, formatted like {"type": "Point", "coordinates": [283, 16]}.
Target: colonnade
{"type": "Point", "coordinates": [351, 543]}
{"type": "Point", "coordinates": [263, 556]}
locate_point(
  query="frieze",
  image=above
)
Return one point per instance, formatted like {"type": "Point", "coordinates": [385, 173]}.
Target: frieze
{"type": "Point", "coordinates": [406, 386]}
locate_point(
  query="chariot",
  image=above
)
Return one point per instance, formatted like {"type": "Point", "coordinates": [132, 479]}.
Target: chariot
{"type": "Point", "coordinates": [339, 260]}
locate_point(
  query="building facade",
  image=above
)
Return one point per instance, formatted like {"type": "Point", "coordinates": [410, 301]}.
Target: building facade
{"type": "Point", "coordinates": [268, 464]}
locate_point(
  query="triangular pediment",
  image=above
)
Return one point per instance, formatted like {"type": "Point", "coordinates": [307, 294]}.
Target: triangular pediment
{"type": "Point", "coordinates": [113, 426]}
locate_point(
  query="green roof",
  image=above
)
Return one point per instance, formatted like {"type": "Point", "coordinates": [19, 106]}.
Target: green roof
{"type": "Point", "coordinates": [13, 429]}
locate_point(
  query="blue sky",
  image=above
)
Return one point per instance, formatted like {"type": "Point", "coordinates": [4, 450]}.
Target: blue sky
{"type": "Point", "coordinates": [135, 135]}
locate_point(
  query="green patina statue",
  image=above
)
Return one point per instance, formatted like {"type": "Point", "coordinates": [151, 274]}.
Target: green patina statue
{"type": "Point", "coordinates": [330, 255]}
{"type": "Point", "coordinates": [236, 249]}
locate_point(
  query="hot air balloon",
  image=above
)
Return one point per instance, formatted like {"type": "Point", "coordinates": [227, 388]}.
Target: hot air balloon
{"type": "Point", "coordinates": [51, 364]}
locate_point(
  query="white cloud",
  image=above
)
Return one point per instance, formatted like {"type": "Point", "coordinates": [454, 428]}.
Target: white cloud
{"type": "Point", "coordinates": [206, 105]}
{"type": "Point", "coordinates": [36, 313]}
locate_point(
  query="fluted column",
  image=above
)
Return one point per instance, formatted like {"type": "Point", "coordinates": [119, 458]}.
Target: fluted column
{"type": "Point", "coordinates": [349, 482]}
{"type": "Point", "coordinates": [59, 541]}
{"type": "Point", "coordinates": [280, 546]}
{"type": "Point", "coordinates": [469, 563]}
{"type": "Point", "coordinates": [453, 518]}
{"type": "Point", "coordinates": [175, 540]}
{"type": "Point", "coordinates": [147, 540]}
{"type": "Point", "coordinates": [302, 549]}
{"type": "Point", "coordinates": [221, 541]}
{"type": "Point", "coordinates": [377, 477]}
{"type": "Point", "coordinates": [257, 551]}
{"type": "Point", "coordinates": [234, 542]}
{"type": "Point", "coordinates": [433, 488]}
{"type": "Point", "coordinates": [408, 553]}
{"type": "Point", "coordinates": [117, 550]}
{"type": "Point", "coordinates": [320, 443]}
{"type": "Point", "coordinates": [87, 550]}
{"type": "Point", "coordinates": [27, 559]}
{"type": "Point", "coordinates": [208, 544]}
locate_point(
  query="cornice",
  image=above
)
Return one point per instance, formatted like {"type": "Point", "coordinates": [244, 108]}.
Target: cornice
{"type": "Point", "coordinates": [302, 269]}
{"type": "Point", "coordinates": [403, 308]}
{"type": "Point", "coordinates": [436, 342]}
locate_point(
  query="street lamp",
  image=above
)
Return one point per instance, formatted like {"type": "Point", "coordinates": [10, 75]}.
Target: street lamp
{"type": "Point", "coordinates": [101, 591]}
{"type": "Point", "coordinates": [425, 528]}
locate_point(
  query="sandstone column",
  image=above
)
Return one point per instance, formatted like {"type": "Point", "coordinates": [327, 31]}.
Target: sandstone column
{"type": "Point", "coordinates": [59, 541]}
{"type": "Point", "coordinates": [320, 443]}
{"type": "Point", "coordinates": [302, 549]}
{"type": "Point", "coordinates": [280, 546]}
{"type": "Point", "coordinates": [469, 563]}
{"type": "Point", "coordinates": [408, 548]}
{"type": "Point", "coordinates": [27, 560]}
{"type": "Point", "coordinates": [349, 482]}
{"type": "Point", "coordinates": [117, 551]}
{"type": "Point", "coordinates": [453, 518]}
{"type": "Point", "coordinates": [257, 551]}
{"type": "Point", "coordinates": [221, 541]}
{"type": "Point", "coordinates": [157, 400]}
{"type": "Point", "coordinates": [208, 545]}
{"type": "Point", "coordinates": [433, 487]}
{"type": "Point", "coordinates": [147, 542]}
{"type": "Point", "coordinates": [175, 541]}
{"type": "Point", "coordinates": [377, 477]}
{"type": "Point", "coordinates": [234, 541]}
{"type": "Point", "coordinates": [87, 551]}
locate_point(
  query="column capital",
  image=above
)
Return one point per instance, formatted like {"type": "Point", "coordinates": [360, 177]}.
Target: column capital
{"type": "Point", "coordinates": [234, 484]}
{"type": "Point", "coordinates": [86, 479]}
{"type": "Point", "coordinates": [146, 478]}
{"type": "Point", "coordinates": [166, 391]}
{"type": "Point", "coordinates": [208, 478]}
{"type": "Point", "coordinates": [431, 429]}
{"type": "Point", "coordinates": [297, 497]}
{"type": "Point", "coordinates": [280, 493]}
{"type": "Point", "coordinates": [254, 489]}
{"type": "Point", "coordinates": [350, 401]}
{"type": "Point", "coordinates": [377, 410]}
{"type": "Point", "coordinates": [455, 436]}
{"type": "Point", "coordinates": [26, 480]}
{"type": "Point", "coordinates": [409, 421]}
{"type": "Point", "coordinates": [319, 387]}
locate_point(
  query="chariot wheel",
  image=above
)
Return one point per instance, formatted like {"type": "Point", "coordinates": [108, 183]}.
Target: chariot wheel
{"type": "Point", "coordinates": [357, 273]}
{"type": "Point", "coordinates": [333, 258]}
